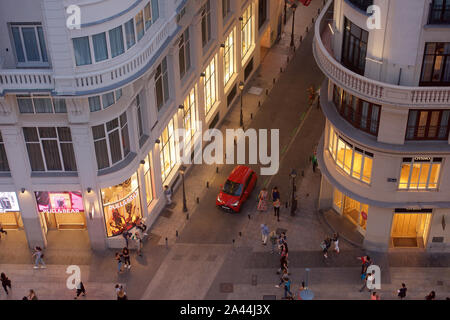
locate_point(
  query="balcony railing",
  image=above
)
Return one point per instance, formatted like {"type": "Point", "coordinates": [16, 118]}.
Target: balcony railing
{"type": "Point", "coordinates": [426, 132]}
{"type": "Point", "coordinates": [439, 14]}
{"type": "Point", "coordinates": [14, 79]}
{"type": "Point", "coordinates": [361, 4]}
{"type": "Point", "coordinates": [374, 91]}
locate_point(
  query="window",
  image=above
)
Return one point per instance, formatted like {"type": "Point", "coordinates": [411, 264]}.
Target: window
{"type": "Point", "coordinates": [354, 161]}
{"type": "Point", "coordinates": [4, 166]}
{"type": "Point", "coordinates": [247, 31]}
{"type": "Point", "coordinates": [155, 10]}
{"type": "Point", "coordinates": [362, 4]}
{"type": "Point", "coordinates": [82, 51]}
{"type": "Point", "coordinates": [206, 23]}
{"type": "Point", "coordinates": [168, 151]}
{"type": "Point", "coordinates": [116, 41]}
{"type": "Point", "coordinates": [184, 54]}
{"type": "Point", "coordinates": [111, 141]}
{"type": "Point", "coordinates": [436, 64]}
{"type": "Point", "coordinates": [420, 173]}
{"type": "Point", "coordinates": [428, 125]}
{"type": "Point", "coordinates": [29, 44]}
{"type": "Point", "coordinates": [147, 16]}
{"type": "Point", "coordinates": [50, 149]}
{"type": "Point", "coordinates": [161, 84]}
{"type": "Point", "coordinates": [190, 116]}
{"type": "Point", "coordinates": [139, 115]}
{"type": "Point", "coordinates": [129, 33]}
{"type": "Point", "coordinates": [262, 13]}
{"type": "Point", "coordinates": [210, 85]}
{"type": "Point", "coordinates": [226, 8]}
{"type": "Point", "coordinates": [40, 103]}
{"type": "Point", "coordinates": [228, 57]}
{"type": "Point", "coordinates": [100, 48]}
{"type": "Point", "coordinates": [439, 12]}
{"type": "Point", "coordinates": [97, 103]}
{"type": "Point", "coordinates": [354, 48]}
{"type": "Point", "coordinates": [361, 114]}
{"type": "Point", "coordinates": [139, 20]}
{"type": "Point", "coordinates": [148, 179]}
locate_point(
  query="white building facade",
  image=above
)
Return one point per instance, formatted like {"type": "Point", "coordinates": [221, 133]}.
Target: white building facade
{"type": "Point", "coordinates": [87, 115]}
{"type": "Point", "coordinates": [385, 153]}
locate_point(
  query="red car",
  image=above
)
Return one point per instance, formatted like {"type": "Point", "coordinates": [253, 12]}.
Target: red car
{"type": "Point", "coordinates": [237, 189]}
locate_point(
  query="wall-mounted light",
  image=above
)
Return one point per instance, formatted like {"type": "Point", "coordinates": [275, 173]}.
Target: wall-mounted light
{"type": "Point", "coordinates": [91, 212]}
{"type": "Point", "coordinates": [202, 74]}
{"type": "Point", "coordinates": [22, 190]}
{"type": "Point", "coordinates": [142, 162]}
{"type": "Point", "coordinates": [222, 45]}
{"type": "Point", "coordinates": [89, 190]}
{"type": "Point", "coordinates": [181, 107]}
{"type": "Point", "coordinates": [241, 85]}
{"type": "Point", "coordinates": [157, 141]}
{"type": "Point", "coordinates": [241, 19]}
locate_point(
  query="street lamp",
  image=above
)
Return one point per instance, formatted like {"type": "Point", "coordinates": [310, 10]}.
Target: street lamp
{"type": "Point", "coordinates": [241, 121]}
{"type": "Point", "coordinates": [306, 294]}
{"type": "Point", "coordinates": [293, 6]}
{"type": "Point", "coordinates": [182, 171]}
{"type": "Point", "coordinates": [285, 7]}
{"type": "Point", "coordinates": [293, 175]}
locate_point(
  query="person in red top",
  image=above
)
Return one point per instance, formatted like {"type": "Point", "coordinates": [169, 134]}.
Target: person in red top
{"type": "Point", "coordinates": [366, 262]}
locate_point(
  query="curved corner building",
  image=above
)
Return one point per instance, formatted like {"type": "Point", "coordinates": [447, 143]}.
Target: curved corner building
{"type": "Point", "coordinates": [385, 153]}
{"type": "Point", "coordinates": [88, 112]}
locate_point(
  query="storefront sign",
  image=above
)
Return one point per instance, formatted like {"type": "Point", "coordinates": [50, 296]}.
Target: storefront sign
{"type": "Point", "coordinates": [8, 202]}
{"type": "Point", "coordinates": [59, 202]}
{"type": "Point", "coordinates": [125, 201]}
{"type": "Point", "coordinates": [422, 158]}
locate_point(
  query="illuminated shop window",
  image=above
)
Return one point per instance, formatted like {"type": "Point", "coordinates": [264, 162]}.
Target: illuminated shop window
{"type": "Point", "coordinates": [148, 178]}
{"type": "Point", "coordinates": [353, 210]}
{"type": "Point", "coordinates": [420, 173]}
{"type": "Point", "coordinates": [353, 160]}
{"type": "Point", "coordinates": [228, 57]}
{"type": "Point", "coordinates": [246, 31]}
{"type": "Point", "coordinates": [168, 151]}
{"type": "Point", "coordinates": [210, 85]}
{"type": "Point", "coordinates": [190, 116]}
{"type": "Point", "coordinates": [121, 206]}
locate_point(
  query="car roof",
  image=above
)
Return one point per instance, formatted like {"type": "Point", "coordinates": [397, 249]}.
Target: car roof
{"type": "Point", "coordinates": [239, 173]}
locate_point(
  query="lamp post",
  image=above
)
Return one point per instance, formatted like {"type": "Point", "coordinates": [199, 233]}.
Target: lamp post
{"type": "Point", "coordinates": [307, 294]}
{"type": "Point", "coordinates": [285, 10]}
{"type": "Point", "coordinates": [241, 121]}
{"type": "Point", "coordinates": [293, 6]}
{"type": "Point", "coordinates": [293, 175]}
{"type": "Point", "coordinates": [182, 171]}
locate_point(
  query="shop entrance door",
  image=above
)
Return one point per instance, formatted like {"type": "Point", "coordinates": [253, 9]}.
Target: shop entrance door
{"type": "Point", "coordinates": [410, 230]}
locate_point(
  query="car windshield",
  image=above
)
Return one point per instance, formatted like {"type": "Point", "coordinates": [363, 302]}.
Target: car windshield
{"type": "Point", "coordinates": [233, 188]}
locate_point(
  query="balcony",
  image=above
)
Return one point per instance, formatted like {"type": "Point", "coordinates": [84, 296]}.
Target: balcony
{"type": "Point", "coordinates": [439, 14]}
{"type": "Point", "coordinates": [90, 82]}
{"type": "Point", "coordinates": [365, 88]}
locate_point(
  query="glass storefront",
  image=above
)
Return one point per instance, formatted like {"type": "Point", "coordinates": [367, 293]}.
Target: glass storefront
{"type": "Point", "coordinates": [121, 206]}
{"type": "Point", "coordinates": [410, 228]}
{"type": "Point", "coordinates": [148, 179]}
{"type": "Point", "coordinates": [353, 210]}
{"type": "Point", "coordinates": [61, 210]}
{"type": "Point", "coordinates": [9, 211]}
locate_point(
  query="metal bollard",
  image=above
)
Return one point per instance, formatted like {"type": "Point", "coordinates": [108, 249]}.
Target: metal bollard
{"type": "Point", "coordinates": [303, 173]}
{"type": "Point", "coordinates": [198, 200]}
{"type": "Point", "coordinates": [259, 103]}
{"type": "Point", "coordinates": [217, 169]}
{"type": "Point", "coordinates": [248, 217]}
{"type": "Point", "coordinates": [281, 69]}
{"type": "Point", "coordinates": [306, 29]}
{"type": "Point", "coordinates": [318, 11]}
{"type": "Point", "coordinates": [176, 234]}
{"type": "Point", "coordinates": [286, 204]}
{"type": "Point", "coordinates": [207, 184]}
{"type": "Point", "coordinates": [273, 80]}
{"type": "Point", "coordinates": [187, 216]}
{"type": "Point", "coordinates": [301, 39]}
{"type": "Point", "coordinates": [167, 243]}
{"type": "Point", "coordinates": [287, 59]}
{"type": "Point", "coordinates": [313, 20]}
{"type": "Point", "coordinates": [240, 234]}
{"type": "Point", "coordinates": [251, 116]}
{"type": "Point", "coordinates": [267, 92]}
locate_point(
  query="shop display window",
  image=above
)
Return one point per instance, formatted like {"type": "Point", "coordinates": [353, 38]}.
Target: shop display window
{"type": "Point", "coordinates": [121, 206]}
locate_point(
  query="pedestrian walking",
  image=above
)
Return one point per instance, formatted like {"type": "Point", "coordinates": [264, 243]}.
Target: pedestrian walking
{"type": "Point", "coordinates": [287, 288]}
{"type": "Point", "coordinates": [31, 295]}
{"type": "Point", "coordinates": [284, 249]}
{"type": "Point", "coordinates": [314, 161]}
{"type": "Point", "coordinates": [168, 194]}
{"type": "Point", "coordinates": [283, 265]}
{"type": "Point", "coordinates": [402, 291]}
{"type": "Point", "coordinates": [375, 296]}
{"type": "Point", "coordinates": [336, 242]}
{"type": "Point", "coordinates": [138, 240]}
{"type": "Point", "coordinates": [273, 239]}
{"type": "Point", "coordinates": [264, 233]}
{"type": "Point", "coordinates": [283, 278]}
{"type": "Point", "coordinates": [325, 245]}
{"type": "Point", "coordinates": [142, 227]}
{"type": "Point", "coordinates": [2, 231]}
{"type": "Point", "coordinates": [365, 263]}
{"type": "Point", "coordinates": [369, 279]}
{"type": "Point", "coordinates": [39, 255]}
{"type": "Point", "coordinates": [126, 257]}
{"type": "Point", "coordinates": [281, 242]}
{"type": "Point", "coordinates": [126, 235]}
{"type": "Point", "coordinates": [262, 200]}
{"type": "Point", "coordinates": [122, 295]}
{"type": "Point", "coordinates": [80, 290]}
{"type": "Point", "coordinates": [431, 296]}
{"type": "Point", "coordinates": [5, 282]}
{"type": "Point", "coordinates": [276, 209]}
{"type": "Point", "coordinates": [120, 260]}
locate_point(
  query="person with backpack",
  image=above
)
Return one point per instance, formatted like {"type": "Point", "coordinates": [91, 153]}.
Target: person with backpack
{"type": "Point", "coordinates": [365, 263]}
{"type": "Point", "coordinates": [122, 295]}
{"type": "Point", "coordinates": [287, 288]}
{"type": "Point", "coordinates": [142, 227]}
{"type": "Point", "coordinates": [39, 255]}
{"type": "Point", "coordinates": [283, 278]}
{"type": "Point", "coordinates": [325, 245]}
{"type": "Point", "coordinates": [369, 279]}
{"type": "Point", "coordinates": [80, 289]}
{"type": "Point", "coordinates": [5, 282]}
{"type": "Point", "coordinates": [402, 291]}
